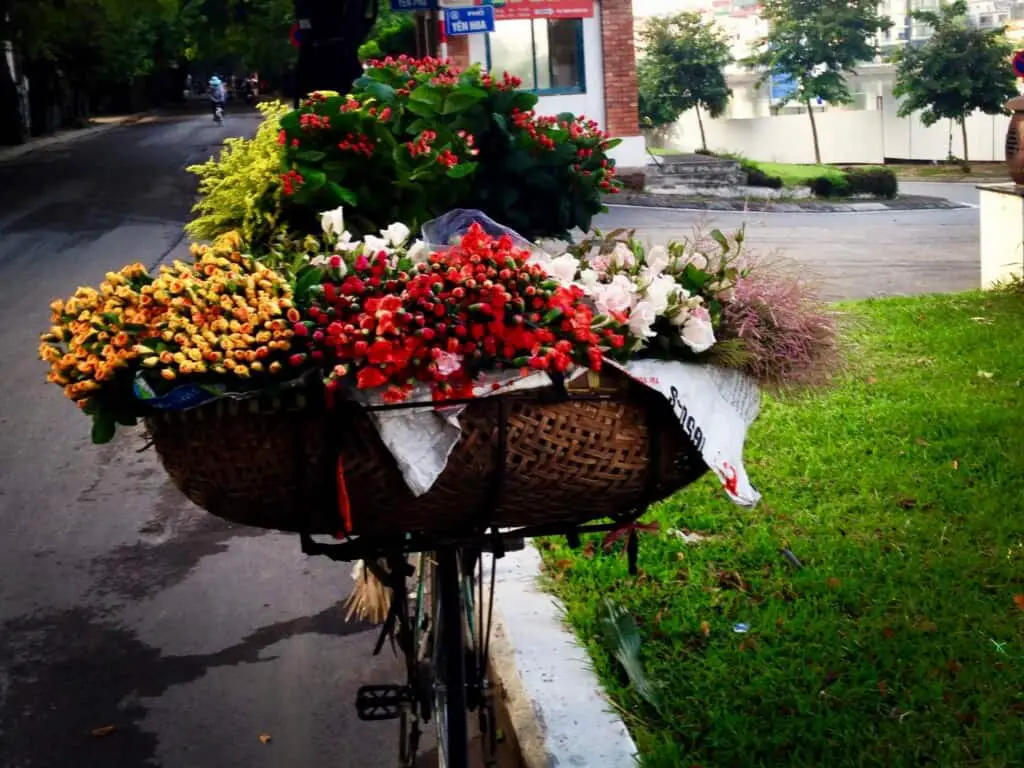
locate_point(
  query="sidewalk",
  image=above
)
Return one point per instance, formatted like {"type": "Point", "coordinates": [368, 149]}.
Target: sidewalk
{"type": "Point", "coordinates": [99, 125]}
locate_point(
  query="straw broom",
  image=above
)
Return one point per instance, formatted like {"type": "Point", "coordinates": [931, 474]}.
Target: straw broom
{"type": "Point", "coordinates": [370, 600]}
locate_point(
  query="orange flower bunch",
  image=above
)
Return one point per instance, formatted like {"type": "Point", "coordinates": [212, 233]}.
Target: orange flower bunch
{"type": "Point", "coordinates": [96, 334]}
{"type": "Point", "coordinates": [225, 314]}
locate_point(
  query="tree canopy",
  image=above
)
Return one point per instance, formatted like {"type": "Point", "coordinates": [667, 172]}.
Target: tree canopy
{"type": "Point", "coordinates": [817, 43]}
{"type": "Point", "coordinates": [682, 68]}
{"type": "Point", "coordinates": [958, 70]}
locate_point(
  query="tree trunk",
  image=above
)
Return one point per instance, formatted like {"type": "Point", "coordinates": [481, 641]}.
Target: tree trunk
{"type": "Point", "coordinates": [814, 133]}
{"type": "Point", "coordinates": [329, 53]}
{"type": "Point", "coordinates": [700, 122]}
{"type": "Point", "coordinates": [963, 132]}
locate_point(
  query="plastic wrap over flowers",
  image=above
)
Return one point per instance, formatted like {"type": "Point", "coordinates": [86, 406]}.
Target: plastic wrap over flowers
{"type": "Point", "coordinates": [440, 232]}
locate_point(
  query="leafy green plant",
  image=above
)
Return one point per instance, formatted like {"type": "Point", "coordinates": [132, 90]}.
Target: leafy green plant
{"type": "Point", "coordinates": [758, 178]}
{"type": "Point", "coordinates": [879, 182]}
{"type": "Point", "coordinates": [417, 138]}
{"type": "Point", "coordinates": [830, 186]}
{"type": "Point", "coordinates": [240, 190]}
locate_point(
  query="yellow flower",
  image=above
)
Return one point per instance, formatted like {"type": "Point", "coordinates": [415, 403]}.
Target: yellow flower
{"type": "Point", "coordinates": [242, 371]}
{"type": "Point", "coordinates": [179, 357]}
{"type": "Point", "coordinates": [257, 366]}
{"type": "Point", "coordinates": [186, 368]}
{"type": "Point", "coordinates": [150, 362]}
{"type": "Point", "coordinates": [195, 355]}
{"type": "Point", "coordinates": [275, 367]}
{"type": "Point", "coordinates": [168, 374]}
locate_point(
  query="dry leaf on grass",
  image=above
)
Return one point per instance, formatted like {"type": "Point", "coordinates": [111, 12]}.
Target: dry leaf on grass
{"type": "Point", "coordinates": [264, 738]}
{"type": "Point", "coordinates": [1018, 600]}
{"type": "Point", "coordinates": [956, 464]}
{"type": "Point", "coordinates": [105, 730]}
{"type": "Point", "coordinates": [985, 374]}
{"type": "Point", "coordinates": [705, 629]}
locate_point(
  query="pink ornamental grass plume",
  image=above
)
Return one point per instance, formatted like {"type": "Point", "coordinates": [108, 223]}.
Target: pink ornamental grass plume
{"type": "Point", "coordinates": [788, 333]}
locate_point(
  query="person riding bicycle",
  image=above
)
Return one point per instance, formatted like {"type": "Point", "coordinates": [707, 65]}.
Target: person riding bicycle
{"type": "Point", "coordinates": [218, 95]}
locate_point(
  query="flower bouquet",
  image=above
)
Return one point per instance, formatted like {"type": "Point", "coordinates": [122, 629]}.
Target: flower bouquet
{"type": "Point", "coordinates": [325, 370]}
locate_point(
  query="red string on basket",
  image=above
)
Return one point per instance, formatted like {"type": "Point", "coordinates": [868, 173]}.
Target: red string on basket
{"type": "Point", "coordinates": [626, 530]}
{"type": "Point", "coordinates": [344, 507]}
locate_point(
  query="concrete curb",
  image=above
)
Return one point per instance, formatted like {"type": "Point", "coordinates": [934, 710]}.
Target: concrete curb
{"type": "Point", "coordinates": [66, 137]}
{"type": "Point", "coordinates": [686, 203]}
{"type": "Point", "coordinates": [555, 704]}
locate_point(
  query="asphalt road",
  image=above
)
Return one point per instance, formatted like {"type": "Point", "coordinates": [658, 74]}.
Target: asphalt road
{"type": "Point", "coordinates": [855, 255]}
{"type": "Point", "coordinates": [120, 603]}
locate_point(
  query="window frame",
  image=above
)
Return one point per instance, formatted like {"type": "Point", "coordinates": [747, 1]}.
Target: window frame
{"type": "Point", "coordinates": [578, 89]}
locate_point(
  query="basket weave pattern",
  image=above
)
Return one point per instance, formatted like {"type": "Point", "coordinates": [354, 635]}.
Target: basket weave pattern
{"type": "Point", "coordinates": [272, 464]}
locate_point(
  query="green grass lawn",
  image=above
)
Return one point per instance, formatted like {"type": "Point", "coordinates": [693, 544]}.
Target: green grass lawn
{"type": "Point", "coordinates": [797, 175]}
{"type": "Point", "coordinates": [900, 642]}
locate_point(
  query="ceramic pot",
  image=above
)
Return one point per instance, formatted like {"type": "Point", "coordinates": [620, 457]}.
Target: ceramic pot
{"type": "Point", "coordinates": [1015, 140]}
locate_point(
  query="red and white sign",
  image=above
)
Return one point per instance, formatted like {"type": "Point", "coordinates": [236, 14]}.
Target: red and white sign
{"type": "Point", "coordinates": [544, 9]}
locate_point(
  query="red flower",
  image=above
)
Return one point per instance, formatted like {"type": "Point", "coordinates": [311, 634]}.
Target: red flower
{"type": "Point", "coordinates": [370, 378]}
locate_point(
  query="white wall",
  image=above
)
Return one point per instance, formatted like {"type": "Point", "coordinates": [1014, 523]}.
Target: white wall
{"type": "Point", "coordinates": [864, 136]}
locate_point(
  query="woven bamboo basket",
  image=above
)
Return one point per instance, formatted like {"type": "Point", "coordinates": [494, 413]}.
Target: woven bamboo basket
{"type": "Point", "coordinates": [272, 462]}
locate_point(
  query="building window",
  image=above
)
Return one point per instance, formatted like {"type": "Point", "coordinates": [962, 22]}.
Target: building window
{"type": "Point", "coordinates": [546, 54]}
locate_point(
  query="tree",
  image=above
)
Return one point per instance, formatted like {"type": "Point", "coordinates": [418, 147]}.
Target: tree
{"type": "Point", "coordinates": [816, 43]}
{"type": "Point", "coordinates": [393, 34]}
{"type": "Point", "coordinates": [329, 56]}
{"type": "Point", "coordinates": [682, 69]}
{"type": "Point", "coordinates": [958, 70]}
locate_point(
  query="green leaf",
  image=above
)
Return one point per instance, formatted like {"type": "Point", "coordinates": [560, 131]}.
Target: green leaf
{"type": "Point", "coordinates": [565, 117]}
{"type": "Point", "coordinates": [342, 194]}
{"type": "Point", "coordinates": [419, 125]}
{"type": "Point", "coordinates": [421, 108]}
{"type": "Point", "coordinates": [380, 91]}
{"type": "Point", "coordinates": [622, 639]}
{"type": "Point", "coordinates": [460, 101]}
{"type": "Point", "coordinates": [611, 144]}
{"type": "Point", "coordinates": [310, 155]}
{"type": "Point", "coordinates": [291, 122]}
{"type": "Point", "coordinates": [722, 240]}
{"type": "Point", "coordinates": [500, 121]}
{"type": "Point", "coordinates": [525, 100]}
{"type": "Point", "coordinates": [461, 170]}
{"type": "Point", "coordinates": [103, 428]}
{"type": "Point", "coordinates": [337, 166]}
{"type": "Point", "coordinates": [304, 281]}
{"type": "Point", "coordinates": [426, 94]}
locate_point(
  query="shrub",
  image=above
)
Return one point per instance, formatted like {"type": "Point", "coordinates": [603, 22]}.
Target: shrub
{"type": "Point", "coordinates": [240, 190]}
{"type": "Point", "coordinates": [830, 186]}
{"type": "Point", "coordinates": [758, 178]}
{"type": "Point", "coordinates": [879, 182]}
{"type": "Point", "coordinates": [417, 138]}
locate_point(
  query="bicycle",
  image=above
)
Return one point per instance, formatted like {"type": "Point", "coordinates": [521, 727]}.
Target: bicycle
{"type": "Point", "coordinates": [443, 627]}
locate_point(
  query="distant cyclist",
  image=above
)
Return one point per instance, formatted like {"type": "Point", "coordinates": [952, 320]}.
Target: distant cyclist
{"type": "Point", "coordinates": [218, 97]}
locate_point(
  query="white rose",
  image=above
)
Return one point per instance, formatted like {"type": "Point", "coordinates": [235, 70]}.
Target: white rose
{"type": "Point", "coordinates": [616, 296]}
{"type": "Point", "coordinates": [641, 319]}
{"type": "Point", "coordinates": [346, 243]}
{"type": "Point", "coordinates": [396, 234]}
{"type": "Point", "coordinates": [698, 259]}
{"type": "Point", "coordinates": [418, 252]}
{"type": "Point", "coordinates": [333, 222]}
{"type": "Point", "coordinates": [563, 268]}
{"type": "Point", "coordinates": [375, 245]}
{"type": "Point", "coordinates": [660, 292]}
{"type": "Point", "coordinates": [589, 278]}
{"type": "Point", "coordinates": [657, 260]}
{"type": "Point", "coordinates": [622, 256]}
{"type": "Point", "coordinates": [697, 332]}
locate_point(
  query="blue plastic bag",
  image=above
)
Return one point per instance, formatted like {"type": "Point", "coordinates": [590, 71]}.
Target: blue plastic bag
{"type": "Point", "coordinates": [440, 232]}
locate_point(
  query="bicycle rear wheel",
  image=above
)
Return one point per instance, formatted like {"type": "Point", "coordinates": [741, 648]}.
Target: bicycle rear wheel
{"type": "Point", "coordinates": [452, 723]}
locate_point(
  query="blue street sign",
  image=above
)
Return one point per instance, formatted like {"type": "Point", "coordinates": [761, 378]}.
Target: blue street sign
{"type": "Point", "coordinates": [469, 21]}
{"type": "Point", "coordinates": [413, 5]}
